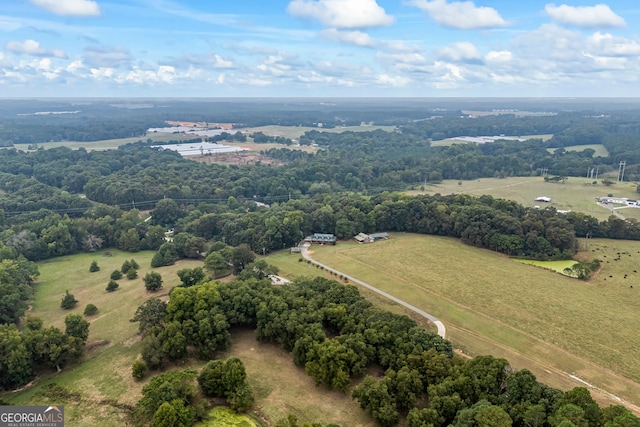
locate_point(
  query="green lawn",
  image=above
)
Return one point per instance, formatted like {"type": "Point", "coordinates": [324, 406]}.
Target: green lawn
{"type": "Point", "coordinates": [549, 323]}
{"type": "Point", "coordinates": [577, 194]}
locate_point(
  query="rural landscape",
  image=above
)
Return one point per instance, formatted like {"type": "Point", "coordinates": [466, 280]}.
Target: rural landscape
{"type": "Point", "coordinates": [203, 262]}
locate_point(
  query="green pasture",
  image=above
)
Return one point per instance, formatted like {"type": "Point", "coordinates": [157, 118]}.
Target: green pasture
{"type": "Point", "coordinates": [98, 391]}
{"type": "Point", "coordinates": [576, 194]}
{"type": "Point", "coordinates": [281, 388]}
{"type": "Point", "coordinates": [557, 266]}
{"type": "Point", "coordinates": [294, 132]}
{"type": "Point", "coordinates": [291, 268]}
{"type": "Point", "coordinates": [225, 417]}
{"type": "Point", "coordinates": [600, 150]}
{"type": "Point", "coordinates": [450, 141]}
{"type": "Point", "coordinates": [110, 144]}
{"type": "Point", "coordinates": [537, 319]}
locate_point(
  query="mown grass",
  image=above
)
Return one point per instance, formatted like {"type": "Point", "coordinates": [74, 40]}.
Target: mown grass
{"type": "Point", "coordinates": [600, 150]}
{"type": "Point", "coordinates": [281, 388]}
{"type": "Point", "coordinates": [102, 383]}
{"type": "Point", "coordinates": [577, 194]}
{"type": "Point", "coordinates": [557, 266]}
{"type": "Point", "coordinates": [537, 319]}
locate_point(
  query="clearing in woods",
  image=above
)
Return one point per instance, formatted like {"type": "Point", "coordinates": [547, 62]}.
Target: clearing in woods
{"type": "Point", "coordinates": [576, 194]}
{"type": "Point", "coordinates": [553, 325]}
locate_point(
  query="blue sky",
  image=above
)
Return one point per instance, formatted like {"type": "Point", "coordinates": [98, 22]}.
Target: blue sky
{"type": "Point", "coordinates": [319, 48]}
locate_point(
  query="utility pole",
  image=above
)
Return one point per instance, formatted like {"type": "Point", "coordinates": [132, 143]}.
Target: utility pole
{"type": "Point", "coordinates": [621, 165]}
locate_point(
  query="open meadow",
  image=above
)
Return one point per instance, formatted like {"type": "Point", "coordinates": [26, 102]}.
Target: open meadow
{"type": "Point", "coordinates": [576, 194]}
{"type": "Point", "coordinates": [100, 391]}
{"type": "Point", "coordinates": [110, 144]}
{"type": "Point", "coordinates": [568, 332]}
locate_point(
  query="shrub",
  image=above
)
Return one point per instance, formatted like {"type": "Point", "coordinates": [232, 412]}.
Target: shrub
{"type": "Point", "coordinates": [116, 274]}
{"type": "Point", "coordinates": [94, 267]}
{"type": "Point", "coordinates": [138, 369]}
{"type": "Point", "coordinates": [132, 274]}
{"type": "Point", "coordinates": [126, 266]}
{"type": "Point", "coordinates": [152, 281]}
{"type": "Point", "coordinates": [90, 310]}
{"type": "Point", "coordinates": [134, 264]}
{"type": "Point", "coordinates": [68, 301]}
{"type": "Point", "coordinates": [112, 286]}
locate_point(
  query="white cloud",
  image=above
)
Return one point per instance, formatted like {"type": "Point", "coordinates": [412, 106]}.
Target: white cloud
{"type": "Point", "coordinates": [210, 59]}
{"type": "Point", "coordinates": [341, 13]}
{"type": "Point", "coordinates": [460, 52]}
{"type": "Point", "coordinates": [395, 81]}
{"type": "Point", "coordinates": [220, 62]}
{"type": "Point", "coordinates": [498, 56]}
{"type": "Point", "coordinates": [33, 48]}
{"type": "Point", "coordinates": [596, 16]}
{"type": "Point", "coordinates": [4, 61]}
{"type": "Point", "coordinates": [463, 15]}
{"type": "Point", "coordinates": [608, 45]}
{"type": "Point", "coordinates": [69, 7]}
{"type": "Point", "coordinates": [357, 38]}
{"type": "Point", "coordinates": [106, 56]}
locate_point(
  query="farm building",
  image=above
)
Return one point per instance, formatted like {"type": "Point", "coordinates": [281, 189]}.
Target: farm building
{"type": "Point", "coordinates": [379, 236]}
{"type": "Point", "coordinates": [199, 148]}
{"type": "Point", "coordinates": [321, 239]}
{"type": "Point", "coordinates": [370, 238]}
{"type": "Point", "coordinates": [618, 201]}
{"type": "Point", "coordinates": [543, 199]}
{"type": "Point", "coordinates": [363, 238]}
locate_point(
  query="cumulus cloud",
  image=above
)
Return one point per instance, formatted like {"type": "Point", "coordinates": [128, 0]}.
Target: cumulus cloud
{"type": "Point", "coordinates": [33, 48]}
{"type": "Point", "coordinates": [357, 38]}
{"type": "Point", "coordinates": [463, 15]}
{"type": "Point", "coordinates": [69, 7]}
{"type": "Point", "coordinates": [106, 56]}
{"type": "Point", "coordinates": [608, 45]}
{"type": "Point", "coordinates": [498, 56]}
{"type": "Point", "coordinates": [341, 13]}
{"type": "Point", "coordinates": [596, 16]}
{"type": "Point", "coordinates": [460, 52]}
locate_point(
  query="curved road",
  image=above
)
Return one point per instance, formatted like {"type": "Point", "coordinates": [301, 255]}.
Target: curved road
{"type": "Point", "coordinates": [441, 329]}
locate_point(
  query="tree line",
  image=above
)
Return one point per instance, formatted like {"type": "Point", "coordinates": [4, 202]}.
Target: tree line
{"type": "Point", "coordinates": [336, 336]}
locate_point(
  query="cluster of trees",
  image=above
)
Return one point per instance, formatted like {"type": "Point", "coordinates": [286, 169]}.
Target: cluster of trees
{"type": "Point", "coordinates": [35, 348]}
{"type": "Point", "coordinates": [336, 335]}
{"type": "Point", "coordinates": [261, 138]}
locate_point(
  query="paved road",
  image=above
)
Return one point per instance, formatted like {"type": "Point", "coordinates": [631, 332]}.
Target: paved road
{"type": "Point", "coordinates": [441, 329]}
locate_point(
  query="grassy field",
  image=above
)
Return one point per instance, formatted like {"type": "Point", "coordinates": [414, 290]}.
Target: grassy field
{"type": "Point", "coordinates": [285, 388]}
{"type": "Point", "coordinates": [600, 150]}
{"type": "Point", "coordinates": [98, 391]}
{"type": "Point", "coordinates": [557, 266]}
{"type": "Point", "coordinates": [110, 144]}
{"type": "Point", "coordinates": [537, 319]}
{"type": "Point", "coordinates": [577, 194]}
{"type": "Point", "coordinates": [294, 132]}
{"type": "Point", "coordinates": [450, 141]}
